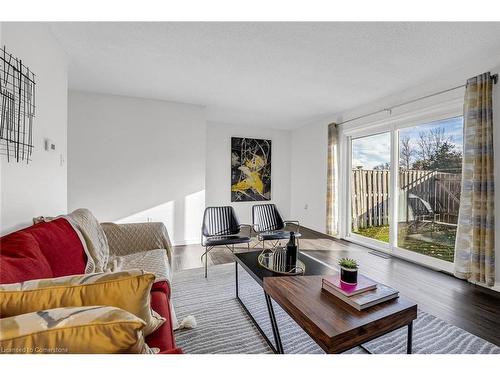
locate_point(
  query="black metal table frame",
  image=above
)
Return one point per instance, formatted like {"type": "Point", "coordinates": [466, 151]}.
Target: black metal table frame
{"type": "Point", "coordinates": [278, 346]}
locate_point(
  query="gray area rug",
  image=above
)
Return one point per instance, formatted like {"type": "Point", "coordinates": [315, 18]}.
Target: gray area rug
{"type": "Point", "coordinates": [224, 327]}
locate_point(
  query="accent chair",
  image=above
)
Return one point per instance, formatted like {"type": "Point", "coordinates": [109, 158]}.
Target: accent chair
{"type": "Point", "coordinates": [222, 228]}
{"type": "Point", "coordinates": [270, 226]}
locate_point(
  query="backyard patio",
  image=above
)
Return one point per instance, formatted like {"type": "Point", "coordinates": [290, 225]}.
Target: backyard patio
{"type": "Point", "coordinates": [428, 204]}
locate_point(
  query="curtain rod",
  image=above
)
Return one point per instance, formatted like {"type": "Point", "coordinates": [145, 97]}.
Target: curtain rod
{"type": "Point", "coordinates": [494, 78]}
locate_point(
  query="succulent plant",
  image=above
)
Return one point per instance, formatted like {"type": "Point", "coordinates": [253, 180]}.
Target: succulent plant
{"type": "Point", "coordinates": [348, 263]}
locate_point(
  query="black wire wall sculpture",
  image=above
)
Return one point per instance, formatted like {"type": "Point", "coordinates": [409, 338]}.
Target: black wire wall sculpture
{"type": "Point", "coordinates": [17, 108]}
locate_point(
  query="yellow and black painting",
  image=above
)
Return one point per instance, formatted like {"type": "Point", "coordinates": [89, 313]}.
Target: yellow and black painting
{"type": "Point", "coordinates": [250, 169]}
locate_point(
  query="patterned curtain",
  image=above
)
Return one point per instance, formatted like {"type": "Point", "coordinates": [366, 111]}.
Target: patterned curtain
{"type": "Point", "coordinates": [331, 190]}
{"type": "Point", "coordinates": [475, 241]}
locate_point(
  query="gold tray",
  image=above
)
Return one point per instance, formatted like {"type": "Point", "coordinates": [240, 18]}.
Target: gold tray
{"type": "Point", "coordinates": [275, 261]}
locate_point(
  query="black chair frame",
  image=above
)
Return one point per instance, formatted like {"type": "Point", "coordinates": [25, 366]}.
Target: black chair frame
{"type": "Point", "coordinates": [225, 226]}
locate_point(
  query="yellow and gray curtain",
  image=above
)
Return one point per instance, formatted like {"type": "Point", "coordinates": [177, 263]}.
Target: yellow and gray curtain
{"type": "Point", "coordinates": [475, 240]}
{"type": "Point", "coordinates": [331, 190]}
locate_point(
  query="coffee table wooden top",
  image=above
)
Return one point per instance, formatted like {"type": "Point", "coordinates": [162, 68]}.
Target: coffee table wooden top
{"type": "Point", "coordinates": [332, 323]}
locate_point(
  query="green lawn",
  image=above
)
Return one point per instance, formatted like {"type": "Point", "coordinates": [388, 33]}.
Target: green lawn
{"type": "Point", "coordinates": [433, 249]}
{"type": "Point", "coordinates": [378, 233]}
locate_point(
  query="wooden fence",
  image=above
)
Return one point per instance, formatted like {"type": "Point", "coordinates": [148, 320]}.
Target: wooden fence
{"type": "Point", "coordinates": [430, 195]}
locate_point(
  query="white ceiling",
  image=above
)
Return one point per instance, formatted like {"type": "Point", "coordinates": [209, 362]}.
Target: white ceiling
{"type": "Point", "coordinates": [281, 75]}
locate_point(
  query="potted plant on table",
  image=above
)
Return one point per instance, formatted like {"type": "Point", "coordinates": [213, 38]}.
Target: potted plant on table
{"type": "Point", "coordinates": [348, 270]}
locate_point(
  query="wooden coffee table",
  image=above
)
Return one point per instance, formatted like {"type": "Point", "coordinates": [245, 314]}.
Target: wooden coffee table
{"type": "Point", "coordinates": [333, 324]}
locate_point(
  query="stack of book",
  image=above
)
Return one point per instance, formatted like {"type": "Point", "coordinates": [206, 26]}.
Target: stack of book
{"type": "Point", "coordinates": [364, 294]}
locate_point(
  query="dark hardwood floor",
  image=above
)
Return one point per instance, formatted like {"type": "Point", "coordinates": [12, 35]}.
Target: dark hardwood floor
{"type": "Point", "coordinates": [473, 308]}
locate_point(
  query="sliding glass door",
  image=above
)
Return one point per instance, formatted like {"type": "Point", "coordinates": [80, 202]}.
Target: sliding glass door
{"type": "Point", "coordinates": [430, 170]}
{"type": "Point", "coordinates": [370, 186]}
{"type": "Point", "coordinates": [404, 189]}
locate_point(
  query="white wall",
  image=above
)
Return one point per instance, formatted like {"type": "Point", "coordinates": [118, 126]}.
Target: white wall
{"type": "Point", "coordinates": [308, 175]}
{"type": "Point", "coordinates": [134, 159]}
{"type": "Point", "coordinates": [38, 188]}
{"type": "Point", "coordinates": [218, 161]}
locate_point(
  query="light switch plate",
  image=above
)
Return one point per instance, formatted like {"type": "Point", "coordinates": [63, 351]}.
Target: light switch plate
{"type": "Point", "coordinates": [49, 145]}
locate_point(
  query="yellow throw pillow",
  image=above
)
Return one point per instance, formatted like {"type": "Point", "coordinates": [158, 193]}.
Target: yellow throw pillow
{"type": "Point", "coordinates": [127, 290]}
{"type": "Point", "coordinates": [89, 329]}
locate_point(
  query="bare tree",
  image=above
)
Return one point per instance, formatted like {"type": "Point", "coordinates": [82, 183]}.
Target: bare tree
{"type": "Point", "coordinates": [424, 145]}
{"type": "Point", "coordinates": [382, 167]}
{"type": "Point", "coordinates": [406, 153]}
{"type": "Point", "coordinates": [431, 141]}
{"type": "Point", "coordinates": [437, 151]}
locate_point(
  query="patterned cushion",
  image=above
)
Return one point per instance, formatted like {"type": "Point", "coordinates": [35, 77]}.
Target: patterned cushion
{"type": "Point", "coordinates": [153, 261]}
{"type": "Point", "coordinates": [124, 239]}
{"type": "Point", "coordinates": [90, 329]}
{"type": "Point", "coordinates": [128, 290]}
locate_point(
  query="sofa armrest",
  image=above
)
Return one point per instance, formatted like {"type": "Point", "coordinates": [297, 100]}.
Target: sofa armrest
{"type": "Point", "coordinates": [127, 239]}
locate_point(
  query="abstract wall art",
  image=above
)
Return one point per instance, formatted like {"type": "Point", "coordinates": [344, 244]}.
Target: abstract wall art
{"type": "Point", "coordinates": [250, 169]}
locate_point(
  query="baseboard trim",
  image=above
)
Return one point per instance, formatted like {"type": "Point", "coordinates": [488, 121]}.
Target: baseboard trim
{"type": "Point", "coordinates": [185, 242]}
{"type": "Point", "coordinates": [318, 233]}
